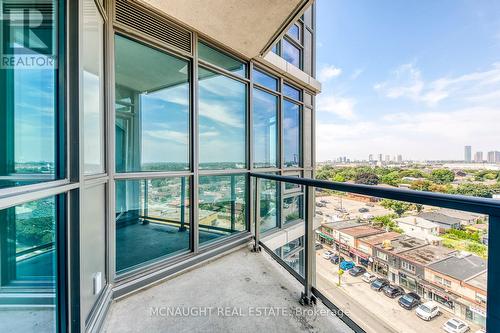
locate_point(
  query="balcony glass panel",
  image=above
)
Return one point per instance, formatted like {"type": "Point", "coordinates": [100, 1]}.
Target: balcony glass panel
{"type": "Point", "coordinates": [221, 59]}
{"type": "Point", "coordinates": [28, 259]}
{"type": "Point", "coordinates": [29, 112]}
{"type": "Point", "coordinates": [293, 208]}
{"type": "Point", "coordinates": [291, 53]}
{"type": "Point", "coordinates": [265, 129]}
{"type": "Point", "coordinates": [93, 96]}
{"type": "Point", "coordinates": [222, 206]}
{"type": "Point", "coordinates": [268, 205]}
{"type": "Point", "coordinates": [222, 121]}
{"type": "Point", "coordinates": [152, 109]}
{"type": "Point", "coordinates": [291, 134]}
{"type": "Point", "coordinates": [152, 220]}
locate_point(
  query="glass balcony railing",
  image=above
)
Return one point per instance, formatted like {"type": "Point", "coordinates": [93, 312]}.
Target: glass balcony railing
{"type": "Point", "coordinates": [392, 260]}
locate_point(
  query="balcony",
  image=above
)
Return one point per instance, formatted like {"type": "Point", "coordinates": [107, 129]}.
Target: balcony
{"type": "Point", "coordinates": [238, 292]}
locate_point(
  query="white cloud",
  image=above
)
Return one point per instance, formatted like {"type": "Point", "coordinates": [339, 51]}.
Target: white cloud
{"type": "Point", "coordinates": [427, 135]}
{"type": "Point", "coordinates": [406, 82]}
{"type": "Point", "coordinates": [357, 73]}
{"type": "Point", "coordinates": [329, 72]}
{"type": "Point", "coordinates": [343, 107]}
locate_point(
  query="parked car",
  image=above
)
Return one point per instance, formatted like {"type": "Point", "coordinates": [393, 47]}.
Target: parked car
{"type": "Point", "coordinates": [393, 291]}
{"type": "Point", "coordinates": [369, 204]}
{"type": "Point", "coordinates": [327, 254]}
{"type": "Point", "coordinates": [379, 283]}
{"type": "Point", "coordinates": [357, 270]}
{"type": "Point", "coordinates": [363, 210]}
{"type": "Point", "coordinates": [428, 310]}
{"type": "Point", "coordinates": [318, 246]}
{"type": "Point", "coordinates": [369, 277]}
{"type": "Point", "coordinates": [335, 259]}
{"type": "Point", "coordinates": [346, 265]}
{"type": "Point", "coordinates": [455, 325]}
{"type": "Point", "coordinates": [409, 301]}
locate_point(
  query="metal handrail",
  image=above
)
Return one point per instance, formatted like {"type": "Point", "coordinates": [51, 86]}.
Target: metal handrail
{"type": "Point", "coordinates": [487, 206]}
{"type": "Point", "coordinates": [461, 202]}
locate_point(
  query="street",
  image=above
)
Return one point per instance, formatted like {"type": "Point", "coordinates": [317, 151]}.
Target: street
{"type": "Point", "coordinates": [372, 310]}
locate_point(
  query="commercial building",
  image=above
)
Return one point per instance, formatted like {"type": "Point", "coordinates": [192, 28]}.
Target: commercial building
{"type": "Point", "coordinates": [493, 156]}
{"type": "Point", "coordinates": [478, 157]}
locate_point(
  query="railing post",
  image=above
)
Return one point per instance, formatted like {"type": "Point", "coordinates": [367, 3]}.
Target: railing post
{"type": "Point", "coordinates": [256, 246]}
{"type": "Point", "coordinates": [307, 298]}
{"type": "Point", "coordinates": [493, 303]}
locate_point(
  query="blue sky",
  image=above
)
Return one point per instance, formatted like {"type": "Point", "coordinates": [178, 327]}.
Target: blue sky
{"type": "Point", "coordinates": [419, 78]}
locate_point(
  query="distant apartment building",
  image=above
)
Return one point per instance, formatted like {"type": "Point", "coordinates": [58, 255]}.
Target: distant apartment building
{"type": "Point", "coordinates": [370, 158]}
{"type": "Point", "coordinates": [387, 158]}
{"type": "Point", "coordinates": [399, 158]}
{"type": "Point", "coordinates": [468, 154]}
{"type": "Point", "coordinates": [493, 156]}
{"type": "Point", "coordinates": [478, 157]}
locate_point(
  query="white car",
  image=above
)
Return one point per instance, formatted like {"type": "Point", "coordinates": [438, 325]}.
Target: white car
{"type": "Point", "coordinates": [481, 330]}
{"type": "Point", "coordinates": [327, 254]}
{"type": "Point", "coordinates": [455, 325]}
{"type": "Point", "coordinates": [369, 277]}
{"type": "Point", "coordinates": [427, 311]}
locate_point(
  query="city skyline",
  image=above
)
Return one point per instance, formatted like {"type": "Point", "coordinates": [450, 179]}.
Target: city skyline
{"type": "Point", "coordinates": [395, 88]}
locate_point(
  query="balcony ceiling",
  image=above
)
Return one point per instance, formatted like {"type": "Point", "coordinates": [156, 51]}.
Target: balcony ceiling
{"type": "Point", "coordinates": [246, 26]}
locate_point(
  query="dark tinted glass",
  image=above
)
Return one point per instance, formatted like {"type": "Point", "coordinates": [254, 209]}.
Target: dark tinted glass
{"type": "Point", "coordinates": [221, 59]}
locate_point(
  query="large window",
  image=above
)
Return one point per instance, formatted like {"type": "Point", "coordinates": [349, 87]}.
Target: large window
{"type": "Point", "coordinates": [291, 53]}
{"type": "Point", "coordinates": [222, 121]}
{"type": "Point", "coordinates": [93, 99]}
{"type": "Point", "coordinates": [216, 57]}
{"type": "Point", "coordinates": [222, 207]}
{"type": "Point", "coordinates": [28, 261]}
{"type": "Point", "coordinates": [291, 134]}
{"type": "Point", "coordinates": [152, 220]}
{"type": "Point", "coordinates": [269, 207]}
{"type": "Point", "coordinates": [265, 129]}
{"type": "Point", "coordinates": [29, 139]}
{"type": "Point", "coordinates": [152, 109]}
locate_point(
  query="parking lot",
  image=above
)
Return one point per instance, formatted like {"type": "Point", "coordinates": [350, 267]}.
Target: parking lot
{"type": "Point", "coordinates": [338, 205]}
{"type": "Point", "coordinates": [372, 310]}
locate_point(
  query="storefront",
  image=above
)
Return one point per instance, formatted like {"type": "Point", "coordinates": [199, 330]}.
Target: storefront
{"type": "Point", "coordinates": [381, 268]}
{"type": "Point", "coordinates": [476, 314]}
{"type": "Point", "coordinates": [408, 282]}
{"type": "Point", "coordinates": [324, 238]}
{"type": "Point", "coordinates": [360, 257]}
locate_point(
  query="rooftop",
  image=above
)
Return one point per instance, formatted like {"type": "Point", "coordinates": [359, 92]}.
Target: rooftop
{"type": "Point", "coordinates": [479, 281]}
{"type": "Point", "coordinates": [426, 254]}
{"type": "Point", "coordinates": [379, 238]}
{"type": "Point", "coordinates": [255, 281]}
{"type": "Point", "coordinates": [439, 218]}
{"type": "Point", "coordinates": [403, 244]}
{"type": "Point", "coordinates": [362, 230]}
{"type": "Point", "coordinates": [462, 215]}
{"type": "Point", "coordinates": [460, 267]}
{"type": "Point", "coordinates": [416, 221]}
{"type": "Point", "coordinates": [339, 225]}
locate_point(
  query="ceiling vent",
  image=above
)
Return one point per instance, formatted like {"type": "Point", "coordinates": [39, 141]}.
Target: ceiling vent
{"type": "Point", "coordinates": [134, 16]}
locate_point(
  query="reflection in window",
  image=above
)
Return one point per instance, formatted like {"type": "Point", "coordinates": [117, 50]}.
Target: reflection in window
{"type": "Point", "coordinates": [265, 114]}
{"type": "Point", "coordinates": [152, 109]}
{"type": "Point", "coordinates": [152, 220]}
{"type": "Point", "coordinates": [276, 48]}
{"type": "Point", "coordinates": [294, 32]}
{"type": "Point", "coordinates": [28, 260]}
{"type": "Point", "coordinates": [291, 53]}
{"type": "Point", "coordinates": [292, 254]}
{"type": "Point", "coordinates": [293, 208]}
{"type": "Point", "coordinates": [222, 121]}
{"type": "Point", "coordinates": [93, 113]}
{"type": "Point", "coordinates": [28, 99]}
{"type": "Point", "coordinates": [291, 92]}
{"type": "Point", "coordinates": [222, 206]}
{"type": "Point", "coordinates": [220, 59]}
{"type": "Point", "coordinates": [291, 134]}
{"type": "Point", "coordinates": [268, 205]}
{"type": "Point", "coordinates": [265, 80]}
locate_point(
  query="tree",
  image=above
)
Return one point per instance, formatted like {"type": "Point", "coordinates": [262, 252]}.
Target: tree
{"type": "Point", "coordinates": [386, 222]}
{"type": "Point", "coordinates": [475, 190]}
{"type": "Point", "coordinates": [421, 185]}
{"type": "Point", "coordinates": [367, 178]}
{"type": "Point", "coordinates": [391, 178]}
{"type": "Point", "coordinates": [397, 207]}
{"type": "Point", "coordinates": [442, 176]}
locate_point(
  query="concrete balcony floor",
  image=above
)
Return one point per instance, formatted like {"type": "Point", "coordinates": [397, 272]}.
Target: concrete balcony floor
{"type": "Point", "coordinates": [230, 290]}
